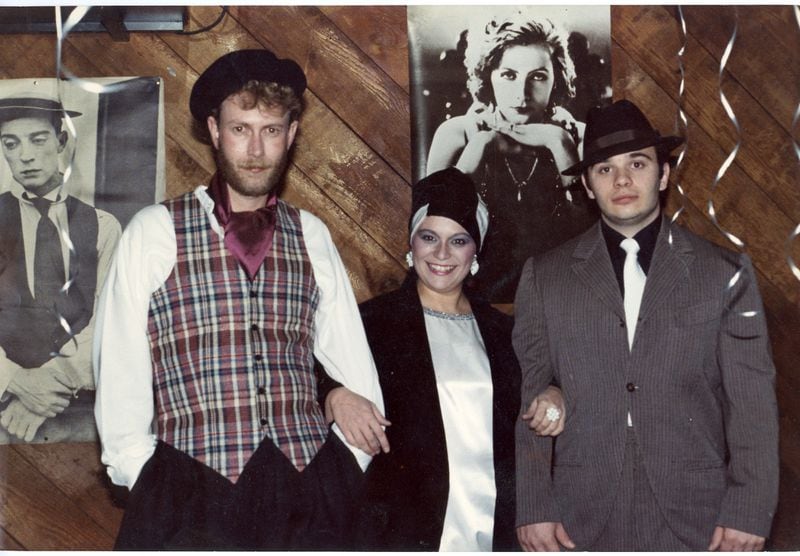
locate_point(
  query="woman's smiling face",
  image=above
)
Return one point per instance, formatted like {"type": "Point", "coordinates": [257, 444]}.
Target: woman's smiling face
{"type": "Point", "coordinates": [442, 251]}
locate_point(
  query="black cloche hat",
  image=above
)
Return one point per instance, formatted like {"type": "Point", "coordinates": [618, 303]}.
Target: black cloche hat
{"type": "Point", "coordinates": [616, 129]}
{"type": "Point", "coordinates": [449, 193]}
{"type": "Point", "coordinates": [229, 73]}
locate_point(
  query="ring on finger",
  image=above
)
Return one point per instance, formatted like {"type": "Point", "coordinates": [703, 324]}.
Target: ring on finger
{"type": "Point", "coordinates": [553, 414]}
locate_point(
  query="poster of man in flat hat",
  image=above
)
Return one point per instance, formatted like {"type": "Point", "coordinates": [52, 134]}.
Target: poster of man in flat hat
{"type": "Point", "coordinates": [67, 185]}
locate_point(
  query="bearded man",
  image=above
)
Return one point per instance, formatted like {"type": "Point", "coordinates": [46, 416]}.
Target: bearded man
{"type": "Point", "coordinates": [216, 306]}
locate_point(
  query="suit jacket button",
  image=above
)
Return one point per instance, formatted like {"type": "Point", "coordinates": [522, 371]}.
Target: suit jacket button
{"type": "Point", "coordinates": [630, 387]}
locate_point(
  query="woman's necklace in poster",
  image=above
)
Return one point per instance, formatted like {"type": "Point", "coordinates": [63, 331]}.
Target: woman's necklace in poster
{"type": "Point", "coordinates": [521, 183]}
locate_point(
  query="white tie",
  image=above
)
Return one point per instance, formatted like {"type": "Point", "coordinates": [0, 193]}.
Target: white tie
{"type": "Point", "coordinates": [633, 278]}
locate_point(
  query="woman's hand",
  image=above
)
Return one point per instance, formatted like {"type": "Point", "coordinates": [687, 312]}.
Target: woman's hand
{"type": "Point", "coordinates": [359, 419]}
{"type": "Point", "coordinates": [547, 413]}
{"type": "Point", "coordinates": [548, 135]}
{"type": "Point", "coordinates": [564, 119]}
{"type": "Point", "coordinates": [559, 129]}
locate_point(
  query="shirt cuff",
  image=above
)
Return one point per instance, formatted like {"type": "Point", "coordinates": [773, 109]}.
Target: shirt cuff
{"type": "Point", "coordinates": [7, 371]}
{"type": "Point", "coordinates": [362, 458]}
{"type": "Point", "coordinates": [125, 471]}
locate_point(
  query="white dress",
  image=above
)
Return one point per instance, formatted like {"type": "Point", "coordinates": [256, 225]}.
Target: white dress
{"type": "Point", "coordinates": [464, 384]}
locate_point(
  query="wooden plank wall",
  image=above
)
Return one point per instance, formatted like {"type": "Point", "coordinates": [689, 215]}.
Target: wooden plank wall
{"type": "Point", "coordinates": [352, 167]}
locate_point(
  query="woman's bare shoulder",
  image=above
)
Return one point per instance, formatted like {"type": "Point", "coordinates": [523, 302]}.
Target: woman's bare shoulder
{"type": "Point", "coordinates": [456, 125]}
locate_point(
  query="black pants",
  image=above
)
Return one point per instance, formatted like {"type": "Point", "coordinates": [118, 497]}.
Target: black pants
{"type": "Point", "coordinates": [179, 503]}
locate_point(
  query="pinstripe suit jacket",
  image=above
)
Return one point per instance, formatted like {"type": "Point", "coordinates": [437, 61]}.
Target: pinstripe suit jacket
{"type": "Point", "coordinates": [698, 382]}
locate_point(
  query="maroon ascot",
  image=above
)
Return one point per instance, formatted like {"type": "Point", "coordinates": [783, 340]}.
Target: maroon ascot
{"type": "Point", "coordinates": [248, 234]}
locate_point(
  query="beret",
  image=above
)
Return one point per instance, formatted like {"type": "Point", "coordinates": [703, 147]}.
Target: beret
{"type": "Point", "coordinates": [231, 72]}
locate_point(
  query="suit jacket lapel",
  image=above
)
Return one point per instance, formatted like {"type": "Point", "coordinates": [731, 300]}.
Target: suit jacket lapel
{"type": "Point", "coordinates": [414, 338]}
{"type": "Point", "coordinates": [593, 267]}
{"type": "Point", "coordinates": [672, 256]}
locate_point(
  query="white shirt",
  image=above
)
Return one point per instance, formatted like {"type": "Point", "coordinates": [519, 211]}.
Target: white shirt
{"type": "Point", "coordinates": [464, 385]}
{"type": "Point", "coordinates": [124, 407]}
{"type": "Point", "coordinates": [77, 365]}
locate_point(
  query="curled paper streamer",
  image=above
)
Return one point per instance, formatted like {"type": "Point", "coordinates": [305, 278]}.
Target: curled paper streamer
{"type": "Point", "coordinates": [796, 232]}
{"type": "Point", "coordinates": [682, 123]}
{"type": "Point", "coordinates": [75, 17]}
{"type": "Point", "coordinates": [732, 116]}
{"type": "Point", "coordinates": [726, 164]}
{"type": "Point", "coordinates": [61, 32]}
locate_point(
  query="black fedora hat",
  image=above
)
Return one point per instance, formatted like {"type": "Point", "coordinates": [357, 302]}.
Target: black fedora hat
{"type": "Point", "coordinates": [229, 73]}
{"type": "Point", "coordinates": [32, 106]}
{"type": "Point", "coordinates": [616, 129]}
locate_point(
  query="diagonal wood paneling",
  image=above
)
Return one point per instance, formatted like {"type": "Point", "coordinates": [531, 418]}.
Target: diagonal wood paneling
{"type": "Point", "coordinates": [380, 34]}
{"type": "Point", "coordinates": [341, 75]}
{"type": "Point", "coordinates": [38, 512]}
{"type": "Point", "coordinates": [351, 166]}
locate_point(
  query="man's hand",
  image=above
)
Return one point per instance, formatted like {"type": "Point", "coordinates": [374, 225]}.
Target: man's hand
{"type": "Point", "coordinates": [359, 419]}
{"type": "Point", "coordinates": [19, 421]}
{"type": "Point", "coordinates": [543, 537]}
{"type": "Point", "coordinates": [42, 390]}
{"type": "Point", "coordinates": [537, 417]}
{"type": "Point", "coordinates": [726, 539]}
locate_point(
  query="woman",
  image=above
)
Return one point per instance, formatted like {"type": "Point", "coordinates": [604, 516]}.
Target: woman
{"type": "Point", "coordinates": [451, 385]}
{"type": "Point", "coordinates": [514, 141]}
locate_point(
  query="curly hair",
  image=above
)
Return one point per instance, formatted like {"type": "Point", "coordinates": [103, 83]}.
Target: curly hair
{"type": "Point", "coordinates": [271, 95]}
{"type": "Point", "coordinates": [486, 45]}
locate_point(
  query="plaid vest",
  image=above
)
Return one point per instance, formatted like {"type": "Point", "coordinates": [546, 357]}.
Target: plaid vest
{"type": "Point", "coordinates": [232, 359]}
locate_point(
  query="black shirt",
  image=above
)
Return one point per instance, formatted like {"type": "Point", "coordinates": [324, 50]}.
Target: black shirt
{"type": "Point", "coordinates": [646, 238]}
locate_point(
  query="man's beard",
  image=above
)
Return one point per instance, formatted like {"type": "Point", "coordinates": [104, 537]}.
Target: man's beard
{"type": "Point", "coordinates": [251, 186]}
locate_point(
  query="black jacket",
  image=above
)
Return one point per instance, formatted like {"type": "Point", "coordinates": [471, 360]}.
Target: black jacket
{"type": "Point", "coordinates": [406, 490]}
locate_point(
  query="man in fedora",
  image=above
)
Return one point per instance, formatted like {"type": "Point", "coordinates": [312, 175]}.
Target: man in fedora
{"type": "Point", "coordinates": [215, 308]}
{"type": "Point", "coordinates": [658, 341]}
{"type": "Point", "coordinates": [54, 254]}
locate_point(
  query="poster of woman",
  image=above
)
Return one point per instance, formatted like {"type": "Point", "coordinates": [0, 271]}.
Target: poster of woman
{"type": "Point", "coordinates": [501, 93]}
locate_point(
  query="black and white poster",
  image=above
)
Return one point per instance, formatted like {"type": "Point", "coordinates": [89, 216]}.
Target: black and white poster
{"type": "Point", "coordinates": [502, 93]}
{"type": "Point", "coordinates": [78, 161]}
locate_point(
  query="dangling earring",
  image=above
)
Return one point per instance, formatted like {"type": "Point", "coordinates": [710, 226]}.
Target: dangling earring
{"type": "Point", "coordinates": [409, 260]}
{"type": "Point", "coordinates": [473, 268]}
